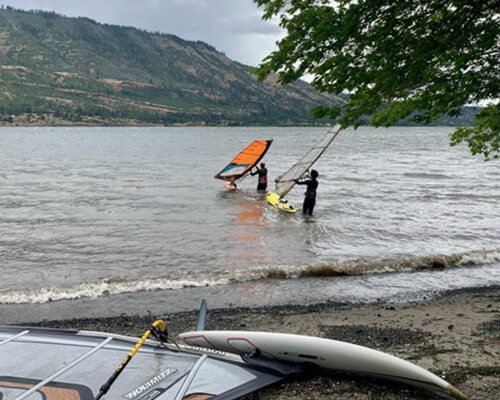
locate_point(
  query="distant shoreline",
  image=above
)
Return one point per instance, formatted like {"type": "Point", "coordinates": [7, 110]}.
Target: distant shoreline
{"type": "Point", "coordinates": [137, 124]}
{"type": "Point", "coordinates": [52, 122]}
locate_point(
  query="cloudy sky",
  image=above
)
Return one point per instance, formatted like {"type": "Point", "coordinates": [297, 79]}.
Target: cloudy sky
{"type": "Point", "coordinates": [232, 26]}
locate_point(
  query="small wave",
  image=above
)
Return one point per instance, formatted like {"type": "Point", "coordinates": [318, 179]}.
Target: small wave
{"type": "Point", "coordinates": [99, 289]}
{"type": "Point", "coordinates": [398, 264]}
{"type": "Point", "coordinates": [350, 267]}
{"type": "Point", "coordinates": [426, 175]}
{"type": "Point", "coordinates": [380, 265]}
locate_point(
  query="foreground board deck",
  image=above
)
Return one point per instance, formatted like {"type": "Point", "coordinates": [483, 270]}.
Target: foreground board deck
{"type": "Point", "coordinates": [48, 364]}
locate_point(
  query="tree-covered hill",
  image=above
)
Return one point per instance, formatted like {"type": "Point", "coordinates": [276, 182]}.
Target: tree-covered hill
{"type": "Point", "coordinates": [76, 69]}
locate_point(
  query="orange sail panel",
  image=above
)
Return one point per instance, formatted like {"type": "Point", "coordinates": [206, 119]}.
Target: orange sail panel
{"type": "Point", "coordinates": [245, 160]}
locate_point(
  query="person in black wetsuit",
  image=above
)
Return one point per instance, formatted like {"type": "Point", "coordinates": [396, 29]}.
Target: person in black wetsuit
{"type": "Point", "coordinates": [310, 195]}
{"type": "Point", "coordinates": [262, 171]}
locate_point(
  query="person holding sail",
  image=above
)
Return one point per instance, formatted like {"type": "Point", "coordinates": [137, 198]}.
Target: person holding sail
{"type": "Point", "coordinates": [310, 195]}
{"type": "Point", "coordinates": [262, 182]}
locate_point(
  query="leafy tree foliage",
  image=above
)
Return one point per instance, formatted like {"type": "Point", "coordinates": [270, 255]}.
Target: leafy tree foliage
{"type": "Point", "coordinates": [397, 59]}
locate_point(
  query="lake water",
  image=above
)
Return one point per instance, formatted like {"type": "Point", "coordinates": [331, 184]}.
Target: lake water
{"type": "Point", "coordinates": [99, 212]}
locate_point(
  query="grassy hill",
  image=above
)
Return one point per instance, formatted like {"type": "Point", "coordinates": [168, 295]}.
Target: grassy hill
{"type": "Point", "coordinates": [75, 69]}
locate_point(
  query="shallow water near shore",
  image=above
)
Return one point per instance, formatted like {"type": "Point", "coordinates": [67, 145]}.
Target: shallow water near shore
{"type": "Point", "coordinates": [102, 212]}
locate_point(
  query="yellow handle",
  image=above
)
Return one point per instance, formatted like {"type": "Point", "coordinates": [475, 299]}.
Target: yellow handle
{"type": "Point", "coordinates": [157, 325]}
{"type": "Point", "coordinates": [160, 324]}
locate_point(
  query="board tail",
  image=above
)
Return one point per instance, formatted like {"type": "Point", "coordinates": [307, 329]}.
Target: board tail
{"type": "Point", "coordinates": [456, 393]}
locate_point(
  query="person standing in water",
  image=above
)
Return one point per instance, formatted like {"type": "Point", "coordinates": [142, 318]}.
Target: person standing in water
{"type": "Point", "coordinates": [310, 195]}
{"type": "Point", "coordinates": [262, 182]}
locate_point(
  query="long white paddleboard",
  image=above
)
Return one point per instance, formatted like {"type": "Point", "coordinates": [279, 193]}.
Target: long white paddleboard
{"type": "Point", "coordinates": [324, 353]}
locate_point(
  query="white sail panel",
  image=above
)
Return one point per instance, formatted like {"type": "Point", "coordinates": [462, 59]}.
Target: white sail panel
{"type": "Point", "coordinates": [286, 182]}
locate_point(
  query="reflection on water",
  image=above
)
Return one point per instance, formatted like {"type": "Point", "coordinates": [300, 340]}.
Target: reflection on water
{"type": "Point", "coordinates": [252, 213]}
{"type": "Point", "coordinates": [246, 237]}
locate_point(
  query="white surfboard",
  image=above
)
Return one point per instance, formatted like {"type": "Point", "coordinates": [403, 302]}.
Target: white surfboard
{"type": "Point", "coordinates": [324, 353]}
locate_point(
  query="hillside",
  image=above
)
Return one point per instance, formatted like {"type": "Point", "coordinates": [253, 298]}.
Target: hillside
{"type": "Point", "coordinates": [77, 70]}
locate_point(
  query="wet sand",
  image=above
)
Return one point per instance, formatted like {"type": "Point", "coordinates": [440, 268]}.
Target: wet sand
{"type": "Point", "coordinates": [456, 336]}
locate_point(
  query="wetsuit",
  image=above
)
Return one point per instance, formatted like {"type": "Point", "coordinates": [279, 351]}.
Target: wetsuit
{"type": "Point", "coordinates": [262, 185]}
{"type": "Point", "coordinates": [310, 195]}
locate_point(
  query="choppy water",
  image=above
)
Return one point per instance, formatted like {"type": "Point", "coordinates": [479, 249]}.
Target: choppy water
{"type": "Point", "coordinates": [104, 211]}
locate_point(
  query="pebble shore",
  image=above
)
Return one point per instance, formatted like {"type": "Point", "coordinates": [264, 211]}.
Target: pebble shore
{"type": "Point", "coordinates": [456, 336]}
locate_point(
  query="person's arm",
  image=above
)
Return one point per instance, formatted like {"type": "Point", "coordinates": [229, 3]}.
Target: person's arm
{"type": "Point", "coordinates": [252, 173]}
{"type": "Point", "coordinates": [298, 182]}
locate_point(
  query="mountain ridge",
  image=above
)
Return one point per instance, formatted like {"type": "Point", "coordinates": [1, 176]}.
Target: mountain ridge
{"type": "Point", "coordinates": [59, 68]}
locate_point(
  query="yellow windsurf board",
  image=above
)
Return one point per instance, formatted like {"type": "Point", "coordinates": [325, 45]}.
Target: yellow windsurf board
{"type": "Point", "coordinates": [275, 200]}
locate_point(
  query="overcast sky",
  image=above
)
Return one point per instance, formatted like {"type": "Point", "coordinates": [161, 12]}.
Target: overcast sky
{"type": "Point", "coordinates": [232, 26]}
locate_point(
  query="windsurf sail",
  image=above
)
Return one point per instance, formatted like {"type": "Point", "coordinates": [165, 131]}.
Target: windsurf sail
{"type": "Point", "coordinates": [286, 182]}
{"type": "Point", "coordinates": [48, 364]}
{"type": "Point", "coordinates": [245, 160]}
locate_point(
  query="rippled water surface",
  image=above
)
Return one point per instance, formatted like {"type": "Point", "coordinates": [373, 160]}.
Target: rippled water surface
{"type": "Point", "coordinates": [93, 211]}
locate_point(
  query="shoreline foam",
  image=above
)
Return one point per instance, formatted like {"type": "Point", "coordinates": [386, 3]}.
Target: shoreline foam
{"type": "Point", "coordinates": [351, 267]}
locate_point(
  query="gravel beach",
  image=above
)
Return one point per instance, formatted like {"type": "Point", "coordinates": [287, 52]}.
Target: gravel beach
{"type": "Point", "coordinates": [456, 336]}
